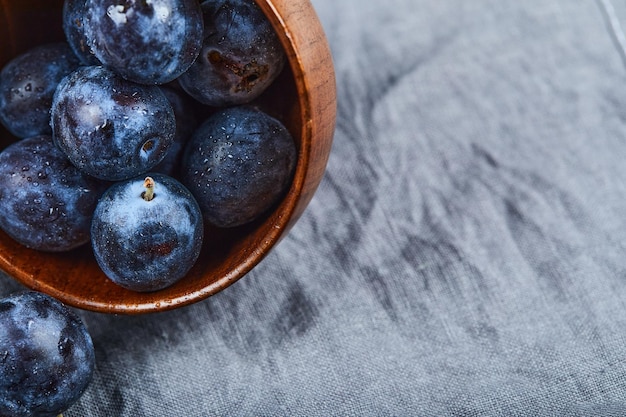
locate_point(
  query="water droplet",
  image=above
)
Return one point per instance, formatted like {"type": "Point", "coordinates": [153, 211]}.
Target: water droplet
{"type": "Point", "coordinates": [25, 168]}
{"type": "Point", "coordinates": [28, 87]}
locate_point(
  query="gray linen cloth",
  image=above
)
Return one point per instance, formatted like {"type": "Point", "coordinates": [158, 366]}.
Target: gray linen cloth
{"type": "Point", "coordinates": [463, 256]}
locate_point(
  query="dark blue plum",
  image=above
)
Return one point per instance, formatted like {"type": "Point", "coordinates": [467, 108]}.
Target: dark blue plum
{"type": "Point", "coordinates": [73, 25]}
{"type": "Point", "coordinates": [241, 54]}
{"type": "Point", "coordinates": [27, 84]}
{"type": "Point", "coordinates": [148, 41]}
{"type": "Point", "coordinates": [111, 128]}
{"type": "Point", "coordinates": [186, 124]}
{"type": "Point", "coordinates": [147, 232]}
{"type": "Point", "coordinates": [46, 203]}
{"type": "Point", "coordinates": [47, 357]}
{"type": "Point", "coordinates": [238, 164]}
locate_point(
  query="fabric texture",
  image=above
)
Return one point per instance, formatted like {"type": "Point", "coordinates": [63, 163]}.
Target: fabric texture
{"type": "Point", "coordinates": [464, 254]}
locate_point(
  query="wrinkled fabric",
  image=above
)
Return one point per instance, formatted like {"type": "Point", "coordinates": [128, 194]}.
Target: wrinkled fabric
{"type": "Point", "coordinates": [463, 255]}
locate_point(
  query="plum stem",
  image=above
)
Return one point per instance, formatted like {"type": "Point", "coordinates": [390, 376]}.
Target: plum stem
{"type": "Point", "coordinates": [148, 194]}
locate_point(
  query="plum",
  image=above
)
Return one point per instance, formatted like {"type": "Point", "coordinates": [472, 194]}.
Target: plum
{"type": "Point", "coordinates": [27, 85]}
{"type": "Point", "coordinates": [46, 203]}
{"type": "Point", "coordinates": [238, 163]}
{"type": "Point", "coordinates": [241, 55]}
{"type": "Point", "coordinates": [47, 357]}
{"type": "Point", "coordinates": [147, 232]}
{"type": "Point", "coordinates": [147, 41]}
{"type": "Point", "coordinates": [111, 128]}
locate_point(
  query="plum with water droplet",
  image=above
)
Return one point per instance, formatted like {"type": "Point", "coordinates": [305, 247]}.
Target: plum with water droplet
{"type": "Point", "coordinates": [47, 358]}
{"type": "Point", "coordinates": [241, 55]}
{"type": "Point", "coordinates": [111, 128]}
{"type": "Point", "coordinates": [147, 232]}
{"type": "Point", "coordinates": [238, 164]}
{"type": "Point", "coordinates": [147, 41]}
{"type": "Point", "coordinates": [74, 29]}
{"type": "Point", "coordinates": [27, 85]}
{"type": "Point", "coordinates": [46, 203]}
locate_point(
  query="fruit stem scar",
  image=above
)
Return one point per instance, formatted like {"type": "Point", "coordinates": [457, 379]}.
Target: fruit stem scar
{"type": "Point", "coordinates": [148, 194]}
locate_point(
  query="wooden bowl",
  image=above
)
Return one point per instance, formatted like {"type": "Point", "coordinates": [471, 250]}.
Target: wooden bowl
{"type": "Point", "coordinates": [303, 98]}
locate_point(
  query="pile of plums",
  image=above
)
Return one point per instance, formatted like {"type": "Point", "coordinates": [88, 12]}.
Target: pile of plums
{"type": "Point", "coordinates": [110, 148]}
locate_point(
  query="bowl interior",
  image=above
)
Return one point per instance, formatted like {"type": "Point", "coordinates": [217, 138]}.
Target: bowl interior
{"type": "Point", "coordinates": [303, 97]}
